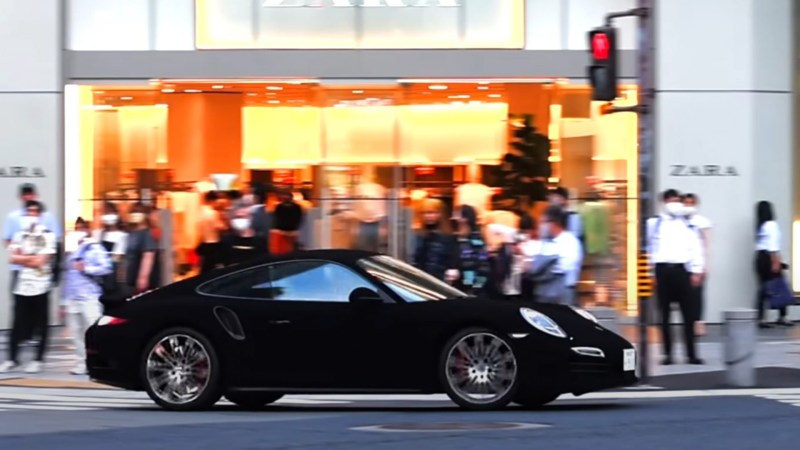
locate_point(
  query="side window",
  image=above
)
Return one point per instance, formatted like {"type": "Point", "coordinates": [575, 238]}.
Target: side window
{"type": "Point", "coordinates": [250, 283]}
{"type": "Point", "coordinates": [318, 281]}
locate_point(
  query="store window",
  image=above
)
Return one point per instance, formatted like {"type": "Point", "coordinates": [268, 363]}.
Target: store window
{"type": "Point", "coordinates": [360, 159]}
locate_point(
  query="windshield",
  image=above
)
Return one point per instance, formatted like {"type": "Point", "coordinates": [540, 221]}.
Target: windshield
{"type": "Point", "coordinates": [408, 282]}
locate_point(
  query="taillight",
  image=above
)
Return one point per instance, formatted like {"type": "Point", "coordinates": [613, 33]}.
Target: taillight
{"type": "Point", "coordinates": [109, 320]}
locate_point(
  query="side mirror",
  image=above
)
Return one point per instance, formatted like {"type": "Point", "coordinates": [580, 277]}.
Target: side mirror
{"type": "Point", "coordinates": [365, 296]}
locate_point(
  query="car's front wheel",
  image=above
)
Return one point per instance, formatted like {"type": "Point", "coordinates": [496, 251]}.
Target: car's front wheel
{"type": "Point", "coordinates": [180, 370]}
{"type": "Point", "coordinates": [479, 370]}
{"type": "Point", "coordinates": [253, 400]}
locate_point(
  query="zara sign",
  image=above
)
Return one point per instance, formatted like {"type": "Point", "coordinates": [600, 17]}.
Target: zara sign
{"type": "Point", "coordinates": [360, 3]}
{"type": "Point", "coordinates": [360, 24]}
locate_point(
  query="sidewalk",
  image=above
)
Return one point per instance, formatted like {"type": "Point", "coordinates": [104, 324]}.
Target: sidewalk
{"type": "Point", "coordinates": [777, 359]}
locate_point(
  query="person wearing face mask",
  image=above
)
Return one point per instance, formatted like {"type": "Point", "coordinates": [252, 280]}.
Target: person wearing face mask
{"type": "Point", "coordinates": [12, 225]}
{"type": "Point", "coordinates": [141, 272]}
{"type": "Point", "coordinates": [703, 226]}
{"type": "Point", "coordinates": [676, 252]}
{"type": "Point", "coordinates": [32, 248]}
{"type": "Point", "coordinates": [85, 267]}
{"type": "Point", "coordinates": [243, 244]}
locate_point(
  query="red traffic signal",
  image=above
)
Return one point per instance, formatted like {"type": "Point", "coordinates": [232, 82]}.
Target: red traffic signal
{"type": "Point", "coordinates": [603, 66]}
{"type": "Point", "coordinates": [600, 46]}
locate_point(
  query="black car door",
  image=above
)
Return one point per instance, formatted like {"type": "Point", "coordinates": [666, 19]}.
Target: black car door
{"type": "Point", "coordinates": [305, 329]}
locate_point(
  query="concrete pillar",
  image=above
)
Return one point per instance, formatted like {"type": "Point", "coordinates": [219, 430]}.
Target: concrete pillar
{"type": "Point", "coordinates": [724, 126]}
{"type": "Point", "coordinates": [740, 339]}
{"type": "Point", "coordinates": [31, 112]}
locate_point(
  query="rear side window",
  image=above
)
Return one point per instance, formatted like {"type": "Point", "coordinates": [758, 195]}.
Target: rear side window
{"type": "Point", "coordinates": [250, 283]}
{"type": "Point", "coordinates": [315, 281]}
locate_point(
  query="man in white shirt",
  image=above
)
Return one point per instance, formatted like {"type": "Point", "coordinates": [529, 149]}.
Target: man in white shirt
{"type": "Point", "coordinates": [703, 226]}
{"type": "Point", "coordinates": [560, 197]}
{"type": "Point", "coordinates": [557, 284]}
{"type": "Point", "coordinates": [675, 250]}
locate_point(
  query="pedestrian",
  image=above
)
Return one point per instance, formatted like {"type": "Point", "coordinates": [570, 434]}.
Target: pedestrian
{"type": "Point", "coordinates": [435, 251]}
{"type": "Point", "coordinates": [473, 264]}
{"type": "Point", "coordinates": [288, 219]}
{"type": "Point", "coordinates": [768, 260]}
{"type": "Point", "coordinates": [703, 226]}
{"type": "Point", "coordinates": [676, 252]}
{"type": "Point", "coordinates": [13, 224]}
{"type": "Point", "coordinates": [141, 252]}
{"type": "Point", "coordinates": [261, 218]}
{"type": "Point", "coordinates": [555, 269]}
{"type": "Point", "coordinates": [560, 197]}
{"type": "Point", "coordinates": [212, 226]}
{"type": "Point", "coordinates": [80, 304]}
{"type": "Point", "coordinates": [32, 248]}
{"type": "Point", "coordinates": [243, 244]}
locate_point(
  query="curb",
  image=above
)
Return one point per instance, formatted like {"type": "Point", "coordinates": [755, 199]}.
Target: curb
{"type": "Point", "coordinates": [53, 384]}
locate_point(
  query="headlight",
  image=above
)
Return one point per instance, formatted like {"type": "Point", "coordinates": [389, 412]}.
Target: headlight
{"type": "Point", "coordinates": [585, 314]}
{"type": "Point", "coordinates": [542, 322]}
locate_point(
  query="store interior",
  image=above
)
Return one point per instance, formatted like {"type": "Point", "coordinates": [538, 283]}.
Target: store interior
{"type": "Point", "coordinates": [359, 155]}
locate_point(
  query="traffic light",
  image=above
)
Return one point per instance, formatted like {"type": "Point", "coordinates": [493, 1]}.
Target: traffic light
{"type": "Point", "coordinates": [603, 70]}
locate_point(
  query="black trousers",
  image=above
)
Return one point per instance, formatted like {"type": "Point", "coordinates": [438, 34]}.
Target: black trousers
{"type": "Point", "coordinates": [673, 285]}
{"type": "Point", "coordinates": [30, 314]}
{"type": "Point", "coordinates": [699, 300]}
{"type": "Point", "coordinates": [765, 273]}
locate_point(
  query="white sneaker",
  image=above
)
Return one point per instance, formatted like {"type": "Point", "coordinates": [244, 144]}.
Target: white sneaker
{"type": "Point", "coordinates": [33, 367]}
{"type": "Point", "coordinates": [7, 366]}
{"type": "Point", "coordinates": [79, 369]}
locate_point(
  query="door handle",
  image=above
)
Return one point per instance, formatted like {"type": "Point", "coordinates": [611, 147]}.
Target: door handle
{"type": "Point", "coordinates": [280, 322]}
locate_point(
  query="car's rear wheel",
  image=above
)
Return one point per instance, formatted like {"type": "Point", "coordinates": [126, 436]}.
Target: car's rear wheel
{"type": "Point", "coordinates": [181, 371]}
{"type": "Point", "coordinates": [533, 400]}
{"type": "Point", "coordinates": [253, 400]}
{"type": "Point", "coordinates": [479, 370]}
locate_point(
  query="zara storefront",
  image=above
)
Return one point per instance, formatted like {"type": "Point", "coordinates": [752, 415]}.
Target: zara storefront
{"type": "Point", "coordinates": [104, 97]}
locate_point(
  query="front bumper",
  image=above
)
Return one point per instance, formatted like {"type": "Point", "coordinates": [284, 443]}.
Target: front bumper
{"type": "Point", "coordinates": [596, 361]}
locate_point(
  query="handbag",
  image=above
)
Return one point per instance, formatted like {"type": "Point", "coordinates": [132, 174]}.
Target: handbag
{"type": "Point", "coordinates": [778, 293]}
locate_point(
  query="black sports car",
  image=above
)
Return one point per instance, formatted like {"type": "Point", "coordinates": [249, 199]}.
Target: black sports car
{"type": "Point", "coordinates": [342, 321]}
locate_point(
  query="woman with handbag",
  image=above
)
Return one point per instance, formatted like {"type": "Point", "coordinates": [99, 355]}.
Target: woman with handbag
{"type": "Point", "coordinates": [768, 261]}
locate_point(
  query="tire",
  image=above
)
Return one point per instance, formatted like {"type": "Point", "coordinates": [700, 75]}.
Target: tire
{"type": "Point", "coordinates": [495, 371]}
{"type": "Point", "coordinates": [253, 400]}
{"type": "Point", "coordinates": [166, 370]}
{"type": "Point", "coordinates": [535, 400]}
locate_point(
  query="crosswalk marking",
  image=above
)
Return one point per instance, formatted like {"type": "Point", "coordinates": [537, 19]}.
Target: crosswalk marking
{"type": "Point", "coordinates": [787, 399]}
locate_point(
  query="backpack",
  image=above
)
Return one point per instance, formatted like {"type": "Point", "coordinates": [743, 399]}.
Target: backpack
{"type": "Point", "coordinates": [107, 282]}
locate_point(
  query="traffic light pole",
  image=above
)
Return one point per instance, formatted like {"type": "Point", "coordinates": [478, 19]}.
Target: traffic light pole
{"type": "Point", "coordinates": [645, 110]}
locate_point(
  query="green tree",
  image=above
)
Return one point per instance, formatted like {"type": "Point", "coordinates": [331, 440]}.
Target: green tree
{"type": "Point", "coordinates": [526, 167]}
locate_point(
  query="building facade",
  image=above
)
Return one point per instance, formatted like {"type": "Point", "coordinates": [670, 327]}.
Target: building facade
{"type": "Point", "coordinates": [99, 95]}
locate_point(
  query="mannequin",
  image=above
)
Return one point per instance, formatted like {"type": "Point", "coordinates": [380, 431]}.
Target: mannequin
{"type": "Point", "coordinates": [473, 192]}
{"type": "Point", "coordinates": [370, 210]}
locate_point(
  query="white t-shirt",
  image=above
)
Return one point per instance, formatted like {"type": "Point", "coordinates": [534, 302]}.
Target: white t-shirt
{"type": "Point", "coordinates": [769, 237]}
{"type": "Point", "coordinates": [570, 256]}
{"type": "Point", "coordinates": [118, 238]}
{"type": "Point", "coordinates": [31, 281]}
{"type": "Point", "coordinates": [700, 222]}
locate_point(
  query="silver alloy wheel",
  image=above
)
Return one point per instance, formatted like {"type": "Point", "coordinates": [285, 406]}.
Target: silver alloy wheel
{"type": "Point", "coordinates": [178, 369]}
{"type": "Point", "coordinates": [481, 368]}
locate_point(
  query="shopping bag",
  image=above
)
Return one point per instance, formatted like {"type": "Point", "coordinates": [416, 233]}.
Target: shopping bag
{"type": "Point", "coordinates": [778, 293]}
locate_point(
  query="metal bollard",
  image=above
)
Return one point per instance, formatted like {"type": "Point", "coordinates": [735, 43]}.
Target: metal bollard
{"type": "Point", "coordinates": [739, 332]}
{"type": "Point", "coordinates": [608, 317]}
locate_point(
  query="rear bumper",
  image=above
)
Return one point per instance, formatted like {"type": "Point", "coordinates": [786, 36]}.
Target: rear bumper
{"type": "Point", "coordinates": [105, 361]}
